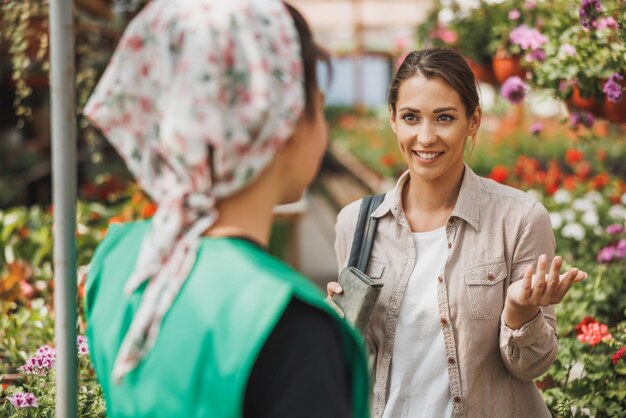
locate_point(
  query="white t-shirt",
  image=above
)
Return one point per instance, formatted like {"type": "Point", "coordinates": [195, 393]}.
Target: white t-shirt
{"type": "Point", "coordinates": [419, 384]}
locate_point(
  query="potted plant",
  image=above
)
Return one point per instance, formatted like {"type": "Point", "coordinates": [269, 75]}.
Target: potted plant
{"type": "Point", "coordinates": [474, 29]}
{"type": "Point", "coordinates": [517, 39]}
{"type": "Point", "coordinates": [585, 52]}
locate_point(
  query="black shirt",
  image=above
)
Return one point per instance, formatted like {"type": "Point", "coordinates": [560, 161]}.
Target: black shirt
{"type": "Point", "coordinates": [300, 371]}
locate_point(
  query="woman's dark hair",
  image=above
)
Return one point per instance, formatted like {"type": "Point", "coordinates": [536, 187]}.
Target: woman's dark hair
{"type": "Point", "coordinates": [311, 54]}
{"type": "Point", "coordinates": [438, 62]}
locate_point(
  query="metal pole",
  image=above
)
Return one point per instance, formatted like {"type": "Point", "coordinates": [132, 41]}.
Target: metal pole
{"type": "Point", "coordinates": [62, 87]}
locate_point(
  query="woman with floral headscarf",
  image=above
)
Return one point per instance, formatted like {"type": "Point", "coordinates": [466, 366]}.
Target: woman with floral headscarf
{"type": "Point", "coordinates": [214, 107]}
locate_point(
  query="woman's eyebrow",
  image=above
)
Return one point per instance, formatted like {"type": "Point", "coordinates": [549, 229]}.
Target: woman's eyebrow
{"type": "Point", "coordinates": [445, 109]}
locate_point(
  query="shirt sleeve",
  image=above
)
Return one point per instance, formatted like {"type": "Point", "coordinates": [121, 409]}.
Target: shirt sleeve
{"type": "Point", "coordinates": [528, 352]}
{"type": "Point", "coordinates": [344, 232]}
{"type": "Point", "coordinates": [300, 371]}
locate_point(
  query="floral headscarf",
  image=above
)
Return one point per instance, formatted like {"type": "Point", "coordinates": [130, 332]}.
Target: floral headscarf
{"type": "Point", "coordinates": [198, 98]}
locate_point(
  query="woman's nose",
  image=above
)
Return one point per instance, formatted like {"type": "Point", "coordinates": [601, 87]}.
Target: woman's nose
{"type": "Point", "coordinates": [427, 134]}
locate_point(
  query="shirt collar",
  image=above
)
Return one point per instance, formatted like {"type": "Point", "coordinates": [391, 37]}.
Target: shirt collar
{"type": "Point", "coordinates": [467, 205]}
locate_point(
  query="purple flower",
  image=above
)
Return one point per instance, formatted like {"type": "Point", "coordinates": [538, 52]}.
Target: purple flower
{"type": "Point", "coordinates": [43, 360]}
{"type": "Point", "coordinates": [581, 118]}
{"type": "Point", "coordinates": [536, 55]}
{"type": "Point", "coordinates": [567, 49]}
{"type": "Point", "coordinates": [536, 128]}
{"type": "Point", "coordinates": [527, 38]}
{"type": "Point", "coordinates": [83, 347]}
{"type": "Point", "coordinates": [588, 12]}
{"type": "Point", "coordinates": [514, 89]}
{"type": "Point", "coordinates": [606, 255]}
{"type": "Point", "coordinates": [614, 229]}
{"type": "Point", "coordinates": [613, 89]}
{"type": "Point", "coordinates": [514, 14]}
{"type": "Point", "coordinates": [606, 22]}
{"type": "Point", "coordinates": [24, 400]}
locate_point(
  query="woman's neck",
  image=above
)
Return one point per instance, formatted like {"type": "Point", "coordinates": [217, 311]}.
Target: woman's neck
{"type": "Point", "coordinates": [427, 204]}
{"type": "Point", "coordinates": [248, 213]}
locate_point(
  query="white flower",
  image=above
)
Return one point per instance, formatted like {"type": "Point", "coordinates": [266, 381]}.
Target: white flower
{"type": "Point", "coordinates": [562, 196]}
{"type": "Point", "coordinates": [569, 215]}
{"type": "Point", "coordinates": [598, 230]}
{"type": "Point", "coordinates": [582, 204]}
{"type": "Point", "coordinates": [617, 212]}
{"type": "Point", "coordinates": [595, 196]}
{"type": "Point", "coordinates": [573, 230]}
{"type": "Point", "coordinates": [591, 218]}
{"type": "Point", "coordinates": [556, 219]}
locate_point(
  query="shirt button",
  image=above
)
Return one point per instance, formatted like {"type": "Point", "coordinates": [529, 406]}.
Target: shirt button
{"type": "Point", "coordinates": [457, 399]}
{"type": "Point", "coordinates": [440, 279]}
{"type": "Point", "coordinates": [449, 245]}
{"type": "Point", "coordinates": [491, 276]}
{"type": "Point", "coordinates": [451, 360]}
{"type": "Point", "coordinates": [443, 320]}
{"type": "Point", "coordinates": [451, 220]}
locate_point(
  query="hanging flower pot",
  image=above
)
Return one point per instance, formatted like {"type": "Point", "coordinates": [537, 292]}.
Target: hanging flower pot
{"type": "Point", "coordinates": [614, 107]}
{"type": "Point", "coordinates": [578, 102]}
{"type": "Point", "coordinates": [505, 66]}
{"type": "Point", "coordinates": [483, 72]}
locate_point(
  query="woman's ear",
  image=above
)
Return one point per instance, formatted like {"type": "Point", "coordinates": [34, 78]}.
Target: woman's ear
{"type": "Point", "coordinates": [392, 119]}
{"type": "Point", "coordinates": [474, 122]}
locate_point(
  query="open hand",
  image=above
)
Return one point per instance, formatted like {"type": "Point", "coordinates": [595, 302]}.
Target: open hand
{"type": "Point", "coordinates": [524, 297]}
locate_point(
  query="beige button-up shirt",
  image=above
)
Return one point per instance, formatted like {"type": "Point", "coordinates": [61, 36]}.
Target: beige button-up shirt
{"type": "Point", "coordinates": [493, 233]}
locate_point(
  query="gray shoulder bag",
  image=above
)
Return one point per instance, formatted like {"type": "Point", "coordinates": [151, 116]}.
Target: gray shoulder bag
{"type": "Point", "coordinates": [360, 292]}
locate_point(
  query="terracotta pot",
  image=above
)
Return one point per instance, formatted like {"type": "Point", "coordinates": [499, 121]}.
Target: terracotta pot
{"type": "Point", "coordinates": [505, 67]}
{"type": "Point", "coordinates": [615, 112]}
{"type": "Point", "coordinates": [482, 72]}
{"type": "Point", "coordinates": [587, 104]}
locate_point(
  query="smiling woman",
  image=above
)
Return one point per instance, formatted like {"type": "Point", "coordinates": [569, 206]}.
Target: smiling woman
{"type": "Point", "coordinates": [465, 321]}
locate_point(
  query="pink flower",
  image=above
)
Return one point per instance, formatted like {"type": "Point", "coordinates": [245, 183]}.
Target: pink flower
{"type": "Point", "coordinates": [536, 128]}
{"type": "Point", "coordinates": [593, 333]}
{"type": "Point", "coordinates": [530, 4]}
{"type": "Point", "coordinates": [447, 35]}
{"type": "Point", "coordinates": [24, 400]}
{"type": "Point", "coordinates": [527, 38]}
{"type": "Point", "coordinates": [514, 14]}
{"type": "Point", "coordinates": [567, 49]}
{"type": "Point", "coordinates": [606, 22]}
{"type": "Point", "coordinates": [43, 360]}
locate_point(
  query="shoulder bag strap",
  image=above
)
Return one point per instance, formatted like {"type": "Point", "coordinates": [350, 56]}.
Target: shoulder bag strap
{"type": "Point", "coordinates": [364, 233]}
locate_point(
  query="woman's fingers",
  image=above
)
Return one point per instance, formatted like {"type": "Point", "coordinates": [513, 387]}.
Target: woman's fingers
{"type": "Point", "coordinates": [554, 276]}
{"type": "Point", "coordinates": [540, 281]}
{"type": "Point", "coordinates": [527, 285]}
{"type": "Point", "coordinates": [568, 279]}
{"type": "Point", "coordinates": [333, 288]}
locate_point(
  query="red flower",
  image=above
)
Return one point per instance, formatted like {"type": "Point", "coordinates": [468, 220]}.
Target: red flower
{"type": "Point", "coordinates": [551, 187]}
{"type": "Point", "coordinates": [620, 354]}
{"type": "Point", "coordinates": [593, 333]}
{"type": "Point", "coordinates": [573, 156]}
{"type": "Point", "coordinates": [388, 160]}
{"type": "Point", "coordinates": [499, 173]}
{"type": "Point", "coordinates": [583, 169]}
{"type": "Point", "coordinates": [570, 183]}
{"type": "Point", "coordinates": [586, 321]}
{"type": "Point", "coordinates": [600, 180]}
